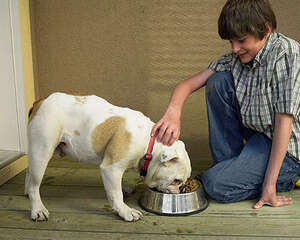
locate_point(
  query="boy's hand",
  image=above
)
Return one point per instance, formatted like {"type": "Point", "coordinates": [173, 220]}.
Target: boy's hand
{"type": "Point", "coordinates": [270, 198]}
{"type": "Point", "coordinates": [167, 128]}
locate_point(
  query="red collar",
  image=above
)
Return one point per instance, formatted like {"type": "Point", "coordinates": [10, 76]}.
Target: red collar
{"type": "Point", "coordinates": [147, 157]}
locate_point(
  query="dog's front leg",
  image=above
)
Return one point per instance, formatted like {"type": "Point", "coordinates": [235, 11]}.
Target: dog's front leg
{"type": "Point", "coordinates": [112, 180]}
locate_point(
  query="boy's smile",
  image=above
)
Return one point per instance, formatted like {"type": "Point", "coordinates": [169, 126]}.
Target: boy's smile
{"type": "Point", "coordinates": [247, 47]}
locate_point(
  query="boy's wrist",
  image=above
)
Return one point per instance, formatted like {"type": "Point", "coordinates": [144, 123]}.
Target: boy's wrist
{"type": "Point", "coordinates": [270, 181]}
{"type": "Point", "coordinates": [174, 110]}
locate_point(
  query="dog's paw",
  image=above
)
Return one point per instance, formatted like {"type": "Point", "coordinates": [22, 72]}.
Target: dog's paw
{"type": "Point", "coordinates": [40, 215]}
{"type": "Point", "coordinates": [131, 214]}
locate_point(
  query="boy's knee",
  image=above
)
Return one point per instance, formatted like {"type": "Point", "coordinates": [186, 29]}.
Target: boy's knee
{"type": "Point", "coordinates": [219, 186]}
{"type": "Point", "coordinates": [213, 185]}
{"type": "Point", "coordinates": [218, 82]}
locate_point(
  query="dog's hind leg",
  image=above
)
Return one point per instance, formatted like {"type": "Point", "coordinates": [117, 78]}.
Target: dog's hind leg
{"type": "Point", "coordinates": [42, 143]}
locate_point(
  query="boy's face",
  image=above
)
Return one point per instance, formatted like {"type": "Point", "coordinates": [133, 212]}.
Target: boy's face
{"type": "Point", "coordinates": [247, 47]}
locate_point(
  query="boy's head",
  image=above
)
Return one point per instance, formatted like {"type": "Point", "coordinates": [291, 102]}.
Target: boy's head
{"type": "Point", "coordinates": [246, 17]}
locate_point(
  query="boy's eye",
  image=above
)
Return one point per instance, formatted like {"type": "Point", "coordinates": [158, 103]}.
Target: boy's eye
{"type": "Point", "coordinates": [241, 40]}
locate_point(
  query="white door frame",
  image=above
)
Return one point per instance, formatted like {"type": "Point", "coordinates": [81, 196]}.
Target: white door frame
{"type": "Point", "coordinates": [18, 74]}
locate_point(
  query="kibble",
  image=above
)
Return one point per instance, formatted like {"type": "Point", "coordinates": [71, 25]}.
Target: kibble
{"type": "Point", "coordinates": [191, 185]}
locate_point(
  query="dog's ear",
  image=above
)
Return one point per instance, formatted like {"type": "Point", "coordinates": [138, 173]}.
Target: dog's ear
{"type": "Point", "coordinates": [167, 155]}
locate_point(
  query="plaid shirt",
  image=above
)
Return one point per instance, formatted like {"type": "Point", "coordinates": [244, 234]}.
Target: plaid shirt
{"type": "Point", "coordinates": [269, 85]}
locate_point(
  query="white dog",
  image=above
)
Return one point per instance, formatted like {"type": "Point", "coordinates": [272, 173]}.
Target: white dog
{"type": "Point", "coordinates": [91, 130]}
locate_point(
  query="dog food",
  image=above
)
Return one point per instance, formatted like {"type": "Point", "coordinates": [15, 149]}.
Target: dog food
{"type": "Point", "coordinates": [191, 185]}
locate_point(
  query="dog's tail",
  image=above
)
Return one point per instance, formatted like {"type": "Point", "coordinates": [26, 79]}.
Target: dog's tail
{"type": "Point", "coordinates": [30, 112]}
{"type": "Point", "coordinates": [35, 107]}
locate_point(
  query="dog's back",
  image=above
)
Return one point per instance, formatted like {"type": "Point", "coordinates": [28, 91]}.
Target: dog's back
{"type": "Point", "coordinates": [71, 123]}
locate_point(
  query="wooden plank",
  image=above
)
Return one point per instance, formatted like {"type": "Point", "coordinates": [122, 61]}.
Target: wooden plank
{"type": "Point", "coordinates": [90, 192]}
{"type": "Point", "coordinates": [76, 191]}
{"type": "Point", "coordinates": [54, 205]}
{"type": "Point", "coordinates": [85, 204]}
{"type": "Point", "coordinates": [67, 162]}
{"type": "Point", "coordinates": [76, 176]}
{"type": "Point", "coordinates": [12, 233]}
{"type": "Point", "coordinates": [12, 169]}
{"type": "Point", "coordinates": [66, 176]}
{"type": "Point", "coordinates": [56, 191]}
{"type": "Point", "coordinates": [201, 226]}
{"type": "Point", "coordinates": [66, 198]}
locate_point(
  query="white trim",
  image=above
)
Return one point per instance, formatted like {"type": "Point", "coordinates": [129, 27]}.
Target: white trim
{"type": "Point", "coordinates": [18, 72]}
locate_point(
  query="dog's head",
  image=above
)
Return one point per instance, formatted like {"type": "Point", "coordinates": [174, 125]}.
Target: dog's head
{"type": "Point", "coordinates": [169, 168]}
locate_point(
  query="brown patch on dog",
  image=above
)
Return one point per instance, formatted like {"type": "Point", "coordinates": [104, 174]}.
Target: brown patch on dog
{"type": "Point", "coordinates": [80, 99]}
{"type": "Point", "coordinates": [111, 139]}
{"type": "Point", "coordinates": [77, 133]}
{"type": "Point", "coordinates": [33, 110]}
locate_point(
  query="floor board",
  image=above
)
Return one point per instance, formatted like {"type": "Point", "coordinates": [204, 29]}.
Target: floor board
{"type": "Point", "coordinates": [204, 225]}
{"type": "Point", "coordinates": [34, 234]}
{"type": "Point", "coordinates": [100, 205]}
{"type": "Point", "coordinates": [79, 209]}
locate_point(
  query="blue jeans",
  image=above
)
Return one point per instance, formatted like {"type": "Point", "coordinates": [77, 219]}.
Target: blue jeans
{"type": "Point", "coordinates": [239, 168]}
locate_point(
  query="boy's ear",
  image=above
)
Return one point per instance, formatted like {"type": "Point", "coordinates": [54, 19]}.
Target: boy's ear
{"type": "Point", "coordinates": [269, 28]}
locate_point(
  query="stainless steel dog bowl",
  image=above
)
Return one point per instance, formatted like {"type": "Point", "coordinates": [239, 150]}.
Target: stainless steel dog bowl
{"type": "Point", "coordinates": [174, 204]}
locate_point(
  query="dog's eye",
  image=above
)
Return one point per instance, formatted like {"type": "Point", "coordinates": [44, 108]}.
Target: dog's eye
{"type": "Point", "coordinates": [177, 181]}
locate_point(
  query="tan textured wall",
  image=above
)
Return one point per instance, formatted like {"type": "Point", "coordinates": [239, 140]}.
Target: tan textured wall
{"type": "Point", "coordinates": [133, 52]}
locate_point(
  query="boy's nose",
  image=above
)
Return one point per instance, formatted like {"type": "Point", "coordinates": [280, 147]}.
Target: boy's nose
{"type": "Point", "coordinates": [235, 47]}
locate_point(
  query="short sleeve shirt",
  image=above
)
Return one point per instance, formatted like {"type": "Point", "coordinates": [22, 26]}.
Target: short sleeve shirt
{"type": "Point", "coordinates": [270, 85]}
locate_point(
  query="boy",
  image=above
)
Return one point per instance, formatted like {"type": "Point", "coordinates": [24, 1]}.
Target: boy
{"type": "Point", "coordinates": [252, 94]}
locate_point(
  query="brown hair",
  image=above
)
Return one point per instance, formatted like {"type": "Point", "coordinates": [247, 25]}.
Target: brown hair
{"type": "Point", "coordinates": [241, 17]}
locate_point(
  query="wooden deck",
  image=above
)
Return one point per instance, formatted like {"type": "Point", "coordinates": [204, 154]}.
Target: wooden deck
{"type": "Point", "coordinates": [75, 197]}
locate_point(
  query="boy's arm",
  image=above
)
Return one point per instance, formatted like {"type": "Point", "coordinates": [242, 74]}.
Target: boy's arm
{"type": "Point", "coordinates": [282, 134]}
{"type": "Point", "coordinates": [168, 126]}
